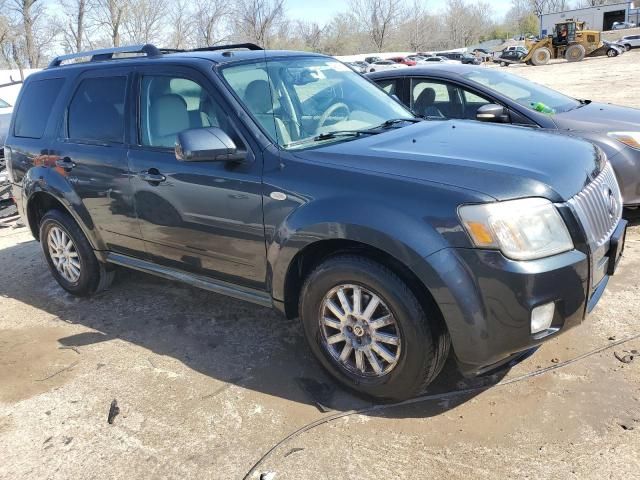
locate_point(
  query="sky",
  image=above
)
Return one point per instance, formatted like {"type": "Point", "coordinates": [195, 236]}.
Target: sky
{"type": "Point", "coordinates": [322, 10]}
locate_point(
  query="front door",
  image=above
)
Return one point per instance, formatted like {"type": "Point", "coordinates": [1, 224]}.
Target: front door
{"type": "Point", "coordinates": [91, 151]}
{"type": "Point", "coordinates": [202, 217]}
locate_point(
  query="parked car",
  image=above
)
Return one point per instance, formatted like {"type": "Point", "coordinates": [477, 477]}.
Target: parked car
{"type": "Point", "coordinates": [393, 239]}
{"type": "Point", "coordinates": [373, 59]}
{"type": "Point", "coordinates": [403, 61]}
{"type": "Point", "coordinates": [511, 55]}
{"type": "Point", "coordinates": [622, 25]}
{"type": "Point", "coordinates": [472, 93]}
{"type": "Point", "coordinates": [418, 58]}
{"type": "Point", "coordinates": [437, 59]}
{"type": "Point", "coordinates": [614, 49]}
{"type": "Point", "coordinates": [457, 56]}
{"type": "Point", "coordinates": [384, 65]}
{"type": "Point", "coordinates": [469, 59]}
{"type": "Point", "coordinates": [360, 67]}
{"type": "Point", "coordinates": [483, 53]}
{"type": "Point", "coordinates": [630, 41]}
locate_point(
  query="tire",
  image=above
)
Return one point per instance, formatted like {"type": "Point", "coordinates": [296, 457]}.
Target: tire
{"type": "Point", "coordinates": [504, 64]}
{"type": "Point", "coordinates": [541, 57]}
{"type": "Point", "coordinates": [93, 276]}
{"type": "Point", "coordinates": [423, 344]}
{"type": "Point", "coordinates": [575, 53]}
{"type": "Point", "coordinates": [612, 53]}
{"type": "Point", "coordinates": [627, 46]}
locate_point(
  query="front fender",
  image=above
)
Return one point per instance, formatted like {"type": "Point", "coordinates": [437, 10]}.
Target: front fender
{"type": "Point", "coordinates": [399, 234]}
{"type": "Point", "coordinates": [50, 181]}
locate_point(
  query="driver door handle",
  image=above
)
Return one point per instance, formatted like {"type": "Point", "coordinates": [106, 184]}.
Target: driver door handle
{"type": "Point", "coordinates": [152, 176]}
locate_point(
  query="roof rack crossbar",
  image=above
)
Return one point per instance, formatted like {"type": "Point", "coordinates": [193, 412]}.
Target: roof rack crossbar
{"type": "Point", "coordinates": [248, 46]}
{"type": "Point", "coordinates": [107, 53]}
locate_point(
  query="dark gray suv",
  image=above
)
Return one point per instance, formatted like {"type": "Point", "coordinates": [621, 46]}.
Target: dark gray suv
{"type": "Point", "coordinates": [288, 180]}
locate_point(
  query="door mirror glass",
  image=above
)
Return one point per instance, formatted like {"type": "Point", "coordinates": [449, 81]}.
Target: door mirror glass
{"type": "Point", "coordinates": [493, 113]}
{"type": "Point", "coordinates": [210, 144]}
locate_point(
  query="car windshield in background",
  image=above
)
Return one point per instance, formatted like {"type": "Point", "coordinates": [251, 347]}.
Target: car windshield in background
{"type": "Point", "coordinates": [524, 92]}
{"type": "Point", "coordinates": [4, 104]}
{"type": "Point", "coordinates": [301, 102]}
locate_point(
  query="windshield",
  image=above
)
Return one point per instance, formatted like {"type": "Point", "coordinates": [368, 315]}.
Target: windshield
{"type": "Point", "coordinates": [298, 101]}
{"type": "Point", "coordinates": [526, 93]}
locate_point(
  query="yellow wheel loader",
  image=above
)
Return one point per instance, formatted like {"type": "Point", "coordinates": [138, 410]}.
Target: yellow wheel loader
{"type": "Point", "coordinates": [570, 40]}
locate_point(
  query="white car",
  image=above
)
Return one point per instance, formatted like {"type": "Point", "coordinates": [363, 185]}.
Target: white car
{"type": "Point", "coordinates": [622, 25]}
{"type": "Point", "coordinates": [383, 65]}
{"type": "Point", "coordinates": [5, 107]}
{"type": "Point", "coordinates": [436, 59]}
{"type": "Point", "coordinates": [630, 41]}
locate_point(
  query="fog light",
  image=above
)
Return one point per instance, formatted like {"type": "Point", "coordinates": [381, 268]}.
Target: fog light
{"type": "Point", "coordinates": [541, 317]}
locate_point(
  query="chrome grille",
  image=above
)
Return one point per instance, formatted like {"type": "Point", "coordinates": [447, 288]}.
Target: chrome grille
{"type": "Point", "coordinates": [599, 208]}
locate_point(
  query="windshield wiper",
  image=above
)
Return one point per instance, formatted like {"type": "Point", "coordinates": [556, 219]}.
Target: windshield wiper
{"type": "Point", "coordinates": [394, 121]}
{"type": "Point", "coordinates": [352, 133]}
{"type": "Point", "coordinates": [330, 135]}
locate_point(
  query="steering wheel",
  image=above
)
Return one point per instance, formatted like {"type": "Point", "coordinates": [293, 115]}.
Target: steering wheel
{"type": "Point", "coordinates": [332, 109]}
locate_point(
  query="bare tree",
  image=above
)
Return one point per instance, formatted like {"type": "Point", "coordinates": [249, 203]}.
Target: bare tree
{"type": "Point", "coordinates": [416, 27]}
{"type": "Point", "coordinates": [180, 18]}
{"type": "Point", "coordinates": [73, 26]}
{"type": "Point", "coordinates": [28, 14]}
{"type": "Point", "coordinates": [258, 20]}
{"type": "Point", "coordinates": [310, 33]}
{"type": "Point", "coordinates": [378, 18]}
{"type": "Point", "coordinates": [109, 16]}
{"type": "Point", "coordinates": [144, 20]}
{"type": "Point", "coordinates": [210, 16]}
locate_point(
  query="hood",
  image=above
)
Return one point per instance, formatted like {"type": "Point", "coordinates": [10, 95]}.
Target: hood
{"type": "Point", "coordinates": [599, 117]}
{"type": "Point", "coordinates": [503, 162]}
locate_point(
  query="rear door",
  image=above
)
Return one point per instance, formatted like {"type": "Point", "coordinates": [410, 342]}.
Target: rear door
{"type": "Point", "coordinates": [91, 151]}
{"type": "Point", "coordinates": [202, 217]}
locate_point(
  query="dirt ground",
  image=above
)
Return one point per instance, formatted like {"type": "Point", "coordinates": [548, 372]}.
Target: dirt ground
{"type": "Point", "coordinates": [207, 385]}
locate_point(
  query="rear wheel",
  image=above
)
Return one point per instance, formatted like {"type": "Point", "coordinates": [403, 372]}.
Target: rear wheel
{"type": "Point", "coordinates": [627, 46]}
{"type": "Point", "coordinates": [541, 56]}
{"type": "Point", "coordinates": [70, 256]}
{"type": "Point", "coordinates": [504, 64]}
{"type": "Point", "coordinates": [369, 331]}
{"type": "Point", "coordinates": [575, 53]}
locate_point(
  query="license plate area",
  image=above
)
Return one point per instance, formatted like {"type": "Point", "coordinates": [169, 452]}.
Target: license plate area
{"type": "Point", "coordinates": [616, 246]}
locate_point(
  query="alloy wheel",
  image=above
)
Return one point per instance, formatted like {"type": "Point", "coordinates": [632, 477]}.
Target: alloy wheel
{"type": "Point", "coordinates": [359, 331]}
{"type": "Point", "coordinates": [64, 255]}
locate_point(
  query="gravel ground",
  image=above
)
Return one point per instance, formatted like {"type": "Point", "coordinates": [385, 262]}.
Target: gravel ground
{"type": "Point", "coordinates": [206, 385]}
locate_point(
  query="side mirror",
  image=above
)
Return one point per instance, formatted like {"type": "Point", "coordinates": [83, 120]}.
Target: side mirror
{"type": "Point", "coordinates": [493, 113]}
{"type": "Point", "coordinates": [209, 144]}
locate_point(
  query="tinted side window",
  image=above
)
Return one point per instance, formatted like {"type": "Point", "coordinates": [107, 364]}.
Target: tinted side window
{"type": "Point", "coordinates": [389, 86]}
{"type": "Point", "coordinates": [35, 107]}
{"type": "Point", "coordinates": [96, 112]}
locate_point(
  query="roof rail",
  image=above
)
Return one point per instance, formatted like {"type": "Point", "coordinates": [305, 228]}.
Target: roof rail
{"type": "Point", "coordinates": [107, 53]}
{"type": "Point", "coordinates": [248, 46]}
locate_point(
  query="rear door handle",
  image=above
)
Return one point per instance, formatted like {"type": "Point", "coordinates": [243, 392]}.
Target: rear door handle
{"type": "Point", "coordinates": [152, 176]}
{"type": "Point", "coordinates": [65, 163]}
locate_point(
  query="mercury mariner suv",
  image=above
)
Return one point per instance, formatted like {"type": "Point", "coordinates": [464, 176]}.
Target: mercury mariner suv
{"type": "Point", "coordinates": [288, 180]}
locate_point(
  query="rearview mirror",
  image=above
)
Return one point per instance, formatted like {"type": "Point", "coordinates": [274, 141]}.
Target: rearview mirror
{"type": "Point", "coordinates": [209, 144]}
{"type": "Point", "coordinates": [493, 113]}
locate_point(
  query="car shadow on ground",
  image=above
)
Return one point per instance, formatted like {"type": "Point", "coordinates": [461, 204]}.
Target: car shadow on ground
{"type": "Point", "coordinates": [253, 347]}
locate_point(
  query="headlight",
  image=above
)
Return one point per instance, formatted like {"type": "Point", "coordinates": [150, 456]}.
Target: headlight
{"type": "Point", "coordinates": [630, 139]}
{"type": "Point", "coordinates": [523, 229]}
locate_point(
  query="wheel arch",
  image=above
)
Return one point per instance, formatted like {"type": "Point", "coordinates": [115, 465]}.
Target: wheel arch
{"type": "Point", "coordinates": [44, 191]}
{"type": "Point", "coordinates": [313, 254]}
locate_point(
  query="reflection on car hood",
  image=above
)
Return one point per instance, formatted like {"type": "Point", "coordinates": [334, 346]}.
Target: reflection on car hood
{"type": "Point", "coordinates": [599, 117]}
{"type": "Point", "coordinates": [503, 162]}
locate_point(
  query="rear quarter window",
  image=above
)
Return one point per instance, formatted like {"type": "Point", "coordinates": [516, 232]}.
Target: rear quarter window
{"type": "Point", "coordinates": [35, 107]}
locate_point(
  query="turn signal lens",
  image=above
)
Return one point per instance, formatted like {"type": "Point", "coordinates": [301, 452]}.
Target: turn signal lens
{"type": "Point", "coordinates": [630, 139]}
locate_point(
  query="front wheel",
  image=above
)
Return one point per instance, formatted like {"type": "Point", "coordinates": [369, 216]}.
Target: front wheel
{"type": "Point", "coordinates": [627, 47]}
{"type": "Point", "coordinates": [612, 53]}
{"type": "Point", "coordinates": [70, 256]}
{"type": "Point", "coordinates": [369, 331]}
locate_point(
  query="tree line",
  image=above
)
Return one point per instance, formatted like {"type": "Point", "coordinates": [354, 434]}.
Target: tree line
{"type": "Point", "coordinates": [32, 31]}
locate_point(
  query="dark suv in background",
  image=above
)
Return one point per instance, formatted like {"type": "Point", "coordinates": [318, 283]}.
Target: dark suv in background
{"type": "Point", "coordinates": [288, 180]}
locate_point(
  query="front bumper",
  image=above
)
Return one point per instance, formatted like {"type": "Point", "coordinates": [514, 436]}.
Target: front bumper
{"type": "Point", "coordinates": [486, 300]}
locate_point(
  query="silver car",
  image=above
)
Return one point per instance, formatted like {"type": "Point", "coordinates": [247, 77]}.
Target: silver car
{"type": "Point", "coordinates": [630, 41]}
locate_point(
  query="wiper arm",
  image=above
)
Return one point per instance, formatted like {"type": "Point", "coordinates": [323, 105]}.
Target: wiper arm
{"type": "Point", "coordinates": [330, 135]}
{"type": "Point", "coordinates": [393, 121]}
